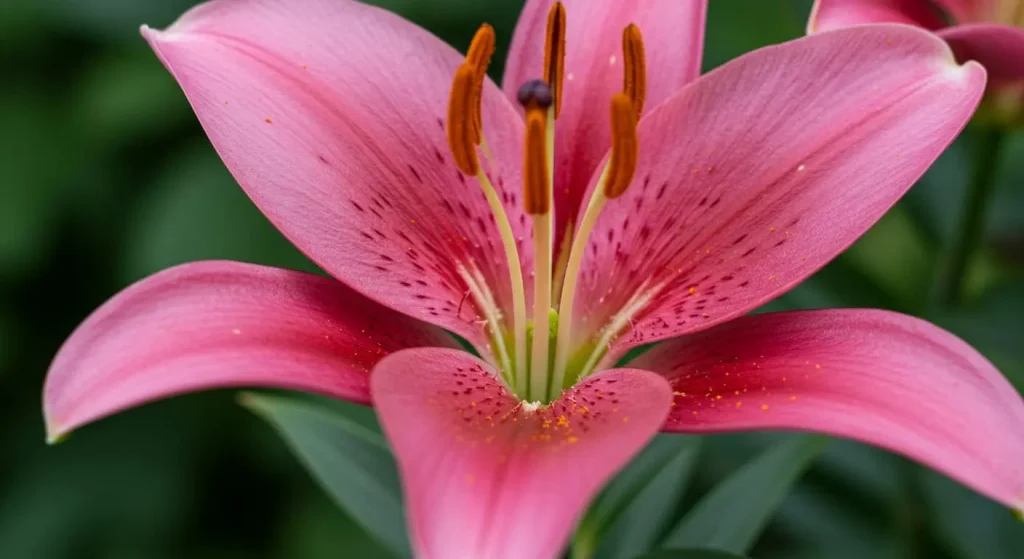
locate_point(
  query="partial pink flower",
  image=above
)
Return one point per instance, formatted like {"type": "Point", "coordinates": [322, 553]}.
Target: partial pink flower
{"type": "Point", "coordinates": [988, 31]}
{"type": "Point", "coordinates": [433, 202]}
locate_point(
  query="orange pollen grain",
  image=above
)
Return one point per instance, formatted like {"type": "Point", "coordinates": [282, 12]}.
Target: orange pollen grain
{"type": "Point", "coordinates": [536, 195]}
{"type": "Point", "coordinates": [554, 54]}
{"type": "Point", "coordinates": [460, 127]}
{"type": "Point", "coordinates": [625, 147]}
{"type": "Point", "coordinates": [635, 65]}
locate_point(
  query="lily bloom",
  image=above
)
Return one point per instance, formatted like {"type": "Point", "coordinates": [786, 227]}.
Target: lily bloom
{"type": "Point", "coordinates": [436, 201]}
{"type": "Point", "coordinates": [989, 31]}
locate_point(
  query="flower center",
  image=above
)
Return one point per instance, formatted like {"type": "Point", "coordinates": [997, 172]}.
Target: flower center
{"type": "Point", "coordinates": [536, 356]}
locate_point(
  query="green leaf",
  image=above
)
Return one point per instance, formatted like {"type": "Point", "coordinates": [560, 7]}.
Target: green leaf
{"type": "Point", "coordinates": [196, 211]}
{"type": "Point", "coordinates": [635, 508]}
{"type": "Point", "coordinates": [351, 462]}
{"type": "Point", "coordinates": [734, 29]}
{"type": "Point", "coordinates": [691, 554]}
{"type": "Point", "coordinates": [971, 525]}
{"type": "Point", "coordinates": [839, 284]}
{"type": "Point", "coordinates": [991, 324]}
{"type": "Point", "coordinates": [733, 514]}
{"type": "Point", "coordinates": [896, 255]}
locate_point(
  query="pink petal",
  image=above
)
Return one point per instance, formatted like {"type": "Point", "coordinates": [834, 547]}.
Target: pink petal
{"type": "Point", "coordinates": [223, 324]}
{"type": "Point", "coordinates": [483, 477]}
{"type": "Point", "coordinates": [764, 170]}
{"type": "Point", "coordinates": [827, 15]}
{"type": "Point", "coordinates": [673, 33]}
{"type": "Point", "coordinates": [876, 376]}
{"type": "Point", "coordinates": [999, 48]}
{"type": "Point", "coordinates": [330, 114]}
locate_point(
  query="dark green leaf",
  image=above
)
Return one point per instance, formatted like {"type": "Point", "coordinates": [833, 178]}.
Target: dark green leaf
{"type": "Point", "coordinates": [691, 554]}
{"type": "Point", "coordinates": [972, 525]}
{"type": "Point", "coordinates": [896, 254]}
{"type": "Point", "coordinates": [634, 510]}
{"type": "Point", "coordinates": [733, 29]}
{"type": "Point", "coordinates": [839, 284]}
{"type": "Point", "coordinates": [352, 463]}
{"type": "Point", "coordinates": [992, 325]}
{"type": "Point", "coordinates": [734, 513]}
{"type": "Point", "coordinates": [196, 211]}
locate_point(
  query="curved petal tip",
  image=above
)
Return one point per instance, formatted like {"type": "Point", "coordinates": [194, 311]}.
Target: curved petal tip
{"type": "Point", "coordinates": [967, 73]}
{"type": "Point", "coordinates": [54, 434]}
{"type": "Point", "coordinates": [153, 36]}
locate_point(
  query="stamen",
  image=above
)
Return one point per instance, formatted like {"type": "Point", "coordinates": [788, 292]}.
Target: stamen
{"type": "Point", "coordinates": [518, 370]}
{"type": "Point", "coordinates": [492, 314]}
{"type": "Point", "coordinates": [619, 321]}
{"type": "Point", "coordinates": [479, 56]}
{"type": "Point", "coordinates": [634, 62]}
{"type": "Point", "coordinates": [481, 49]}
{"type": "Point", "coordinates": [625, 146]}
{"type": "Point", "coordinates": [554, 54]}
{"type": "Point", "coordinates": [614, 181]}
{"type": "Point", "coordinates": [465, 133]}
{"type": "Point", "coordinates": [563, 340]}
{"type": "Point", "coordinates": [461, 123]}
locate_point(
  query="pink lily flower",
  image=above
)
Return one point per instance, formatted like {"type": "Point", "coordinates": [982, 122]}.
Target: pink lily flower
{"type": "Point", "coordinates": [989, 31]}
{"type": "Point", "coordinates": [433, 201]}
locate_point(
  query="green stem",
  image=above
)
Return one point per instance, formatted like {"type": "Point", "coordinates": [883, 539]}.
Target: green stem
{"type": "Point", "coordinates": [972, 221]}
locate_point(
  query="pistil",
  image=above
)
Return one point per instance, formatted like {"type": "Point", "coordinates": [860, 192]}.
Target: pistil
{"type": "Point", "coordinates": [536, 98]}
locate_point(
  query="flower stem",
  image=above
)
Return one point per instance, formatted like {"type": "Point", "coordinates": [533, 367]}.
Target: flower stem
{"type": "Point", "coordinates": [950, 290]}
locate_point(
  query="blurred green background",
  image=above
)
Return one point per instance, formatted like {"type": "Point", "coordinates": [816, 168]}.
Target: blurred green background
{"type": "Point", "coordinates": [106, 177]}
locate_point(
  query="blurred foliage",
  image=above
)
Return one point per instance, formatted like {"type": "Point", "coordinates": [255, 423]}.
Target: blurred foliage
{"type": "Point", "coordinates": [107, 177]}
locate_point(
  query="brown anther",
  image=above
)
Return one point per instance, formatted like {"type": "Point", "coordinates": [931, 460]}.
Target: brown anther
{"type": "Point", "coordinates": [625, 146]}
{"type": "Point", "coordinates": [482, 48]}
{"type": "Point", "coordinates": [554, 54]}
{"type": "Point", "coordinates": [479, 56]}
{"type": "Point", "coordinates": [460, 120]}
{"type": "Point", "coordinates": [536, 190]}
{"type": "Point", "coordinates": [635, 65]}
